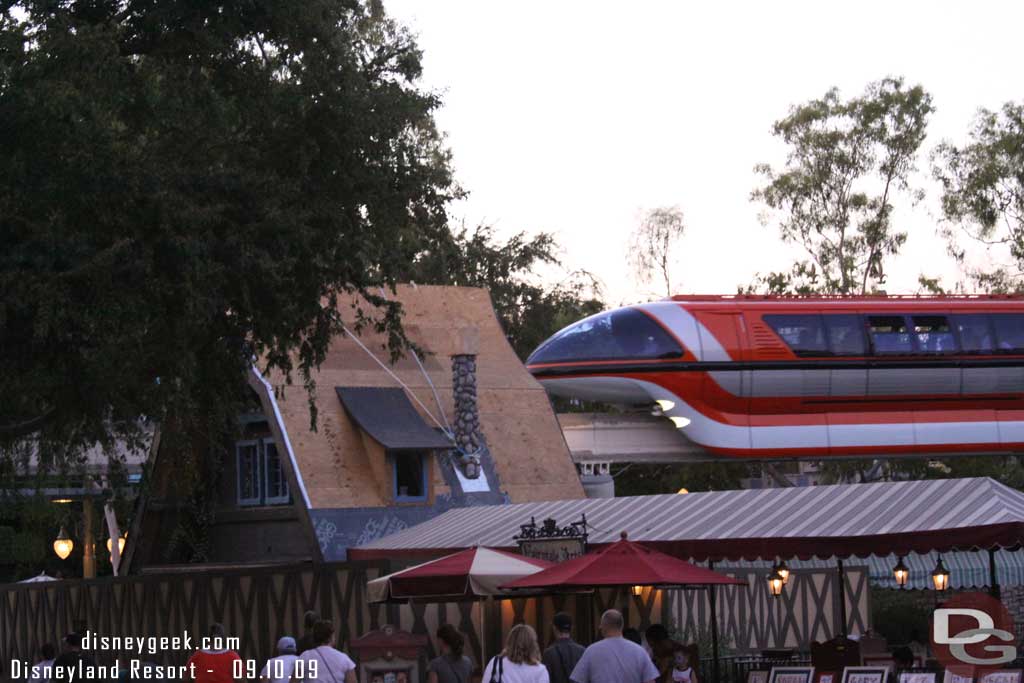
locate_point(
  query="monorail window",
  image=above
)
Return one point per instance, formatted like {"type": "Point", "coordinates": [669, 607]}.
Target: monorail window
{"type": "Point", "coordinates": [622, 334]}
{"type": "Point", "coordinates": [975, 332]}
{"type": "Point", "coordinates": [1009, 329]}
{"type": "Point", "coordinates": [889, 334]}
{"type": "Point", "coordinates": [845, 334]}
{"type": "Point", "coordinates": [804, 334]}
{"type": "Point", "coordinates": [933, 334]}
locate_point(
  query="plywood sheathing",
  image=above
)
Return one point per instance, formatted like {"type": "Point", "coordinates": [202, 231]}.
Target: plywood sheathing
{"type": "Point", "coordinates": [519, 426]}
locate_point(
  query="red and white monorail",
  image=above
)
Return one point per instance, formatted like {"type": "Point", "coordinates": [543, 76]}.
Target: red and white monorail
{"type": "Point", "coordinates": [762, 376]}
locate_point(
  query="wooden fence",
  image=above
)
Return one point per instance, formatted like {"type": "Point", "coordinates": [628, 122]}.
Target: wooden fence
{"type": "Point", "coordinates": [259, 605]}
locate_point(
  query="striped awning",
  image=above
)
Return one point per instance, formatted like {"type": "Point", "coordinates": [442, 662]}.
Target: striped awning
{"type": "Point", "coordinates": [967, 569]}
{"type": "Point", "coordinates": [816, 521]}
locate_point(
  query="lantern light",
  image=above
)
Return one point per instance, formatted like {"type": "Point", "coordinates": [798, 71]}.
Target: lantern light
{"type": "Point", "coordinates": [775, 583]}
{"type": "Point", "coordinates": [679, 422]}
{"type": "Point", "coordinates": [682, 491]}
{"type": "Point", "coordinates": [901, 573]}
{"type": "Point", "coordinates": [940, 576]}
{"type": "Point", "coordinates": [638, 590]}
{"type": "Point", "coordinates": [120, 544]}
{"type": "Point", "coordinates": [63, 545]}
{"type": "Point", "coordinates": [783, 571]}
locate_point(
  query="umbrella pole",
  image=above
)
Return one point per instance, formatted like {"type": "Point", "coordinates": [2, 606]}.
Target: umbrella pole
{"type": "Point", "coordinates": [483, 634]}
{"type": "Point", "coordinates": [841, 576]}
{"type": "Point", "coordinates": [712, 595]}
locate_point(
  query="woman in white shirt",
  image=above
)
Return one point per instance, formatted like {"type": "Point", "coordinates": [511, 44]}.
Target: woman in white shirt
{"type": "Point", "coordinates": [520, 661]}
{"type": "Point", "coordinates": [322, 663]}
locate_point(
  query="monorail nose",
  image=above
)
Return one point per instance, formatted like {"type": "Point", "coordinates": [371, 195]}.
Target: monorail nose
{"type": "Point", "coordinates": [613, 336]}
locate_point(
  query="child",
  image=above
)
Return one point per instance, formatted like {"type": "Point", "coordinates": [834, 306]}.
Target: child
{"type": "Point", "coordinates": [682, 671]}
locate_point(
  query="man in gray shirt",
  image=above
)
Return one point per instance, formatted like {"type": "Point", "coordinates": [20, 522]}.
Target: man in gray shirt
{"type": "Point", "coordinates": [614, 659]}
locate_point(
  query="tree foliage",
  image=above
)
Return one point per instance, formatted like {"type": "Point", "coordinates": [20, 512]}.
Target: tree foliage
{"type": "Point", "coordinates": [529, 310]}
{"type": "Point", "coordinates": [983, 194]}
{"type": "Point", "coordinates": [185, 187]}
{"type": "Point", "coordinates": [833, 197]}
{"type": "Point", "coordinates": [652, 245]}
{"type": "Point", "coordinates": [642, 480]}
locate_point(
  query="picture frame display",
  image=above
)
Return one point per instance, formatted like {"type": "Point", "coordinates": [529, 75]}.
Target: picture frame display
{"type": "Point", "coordinates": [952, 677]}
{"type": "Point", "coordinates": [865, 674]}
{"type": "Point", "coordinates": [757, 676]}
{"type": "Point", "coordinates": [792, 674]}
{"type": "Point", "coordinates": [826, 677]}
{"type": "Point", "coordinates": [1002, 676]}
{"type": "Point", "coordinates": [918, 677]}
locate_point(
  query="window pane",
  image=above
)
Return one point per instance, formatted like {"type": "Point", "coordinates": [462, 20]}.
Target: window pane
{"type": "Point", "coordinates": [804, 334]}
{"type": "Point", "coordinates": [276, 485]}
{"type": "Point", "coordinates": [975, 333]}
{"type": "Point", "coordinates": [247, 458]}
{"type": "Point", "coordinates": [1009, 332]}
{"type": "Point", "coordinates": [409, 479]}
{"type": "Point", "coordinates": [934, 334]}
{"type": "Point", "coordinates": [615, 335]}
{"type": "Point", "coordinates": [845, 334]}
{"type": "Point", "coordinates": [889, 334]}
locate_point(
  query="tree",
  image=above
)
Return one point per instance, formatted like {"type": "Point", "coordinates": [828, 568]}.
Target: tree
{"type": "Point", "coordinates": [652, 245]}
{"type": "Point", "coordinates": [983, 193]}
{"type": "Point", "coordinates": [643, 480]}
{"type": "Point", "coordinates": [185, 187]}
{"type": "Point", "coordinates": [833, 198]}
{"type": "Point", "coordinates": [529, 311]}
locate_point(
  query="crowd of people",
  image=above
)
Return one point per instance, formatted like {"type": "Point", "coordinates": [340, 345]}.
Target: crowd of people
{"type": "Point", "coordinates": [618, 657]}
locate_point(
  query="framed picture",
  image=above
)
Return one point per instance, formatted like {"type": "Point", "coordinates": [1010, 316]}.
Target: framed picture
{"type": "Point", "coordinates": [952, 677]}
{"type": "Point", "coordinates": [865, 674]}
{"type": "Point", "coordinates": [826, 677]}
{"type": "Point", "coordinates": [792, 674]}
{"type": "Point", "coordinates": [1002, 676]}
{"type": "Point", "coordinates": [879, 661]}
{"type": "Point", "coordinates": [757, 676]}
{"type": "Point", "coordinates": [917, 677]}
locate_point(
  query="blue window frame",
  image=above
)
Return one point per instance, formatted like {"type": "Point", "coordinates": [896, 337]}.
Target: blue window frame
{"type": "Point", "coordinates": [409, 470]}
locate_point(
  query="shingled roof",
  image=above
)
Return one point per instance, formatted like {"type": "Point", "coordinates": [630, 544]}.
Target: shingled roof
{"type": "Point", "coordinates": [335, 465]}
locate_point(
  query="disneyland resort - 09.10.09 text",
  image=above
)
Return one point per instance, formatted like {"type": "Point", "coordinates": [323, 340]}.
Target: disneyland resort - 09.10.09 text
{"type": "Point", "coordinates": [136, 667]}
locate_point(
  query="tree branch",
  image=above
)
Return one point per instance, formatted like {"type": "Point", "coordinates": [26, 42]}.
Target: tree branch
{"type": "Point", "coordinates": [26, 427]}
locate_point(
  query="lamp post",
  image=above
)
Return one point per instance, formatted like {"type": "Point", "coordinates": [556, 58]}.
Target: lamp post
{"type": "Point", "coordinates": [775, 583]}
{"type": "Point", "coordinates": [783, 571]}
{"type": "Point", "coordinates": [63, 545]}
{"type": "Point", "coordinates": [940, 576]}
{"type": "Point", "coordinates": [901, 573]}
{"type": "Point", "coordinates": [120, 544]}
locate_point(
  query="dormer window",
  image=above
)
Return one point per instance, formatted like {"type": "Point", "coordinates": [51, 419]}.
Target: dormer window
{"type": "Point", "coordinates": [399, 436]}
{"type": "Point", "coordinates": [261, 478]}
{"type": "Point", "coordinates": [410, 475]}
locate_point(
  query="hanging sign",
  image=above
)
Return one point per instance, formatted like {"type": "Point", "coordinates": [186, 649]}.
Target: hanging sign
{"type": "Point", "coordinates": [552, 542]}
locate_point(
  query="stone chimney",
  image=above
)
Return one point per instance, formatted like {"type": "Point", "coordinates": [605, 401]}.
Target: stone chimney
{"type": "Point", "coordinates": [466, 425]}
{"type": "Point", "coordinates": [467, 413]}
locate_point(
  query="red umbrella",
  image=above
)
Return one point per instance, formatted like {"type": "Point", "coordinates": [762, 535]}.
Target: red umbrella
{"type": "Point", "coordinates": [624, 563]}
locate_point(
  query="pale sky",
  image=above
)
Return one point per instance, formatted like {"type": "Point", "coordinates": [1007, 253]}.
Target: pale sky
{"type": "Point", "coordinates": [574, 117]}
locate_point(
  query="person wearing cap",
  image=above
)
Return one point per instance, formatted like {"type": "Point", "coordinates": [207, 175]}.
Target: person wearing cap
{"type": "Point", "coordinates": [562, 655]}
{"type": "Point", "coordinates": [279, 669]}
